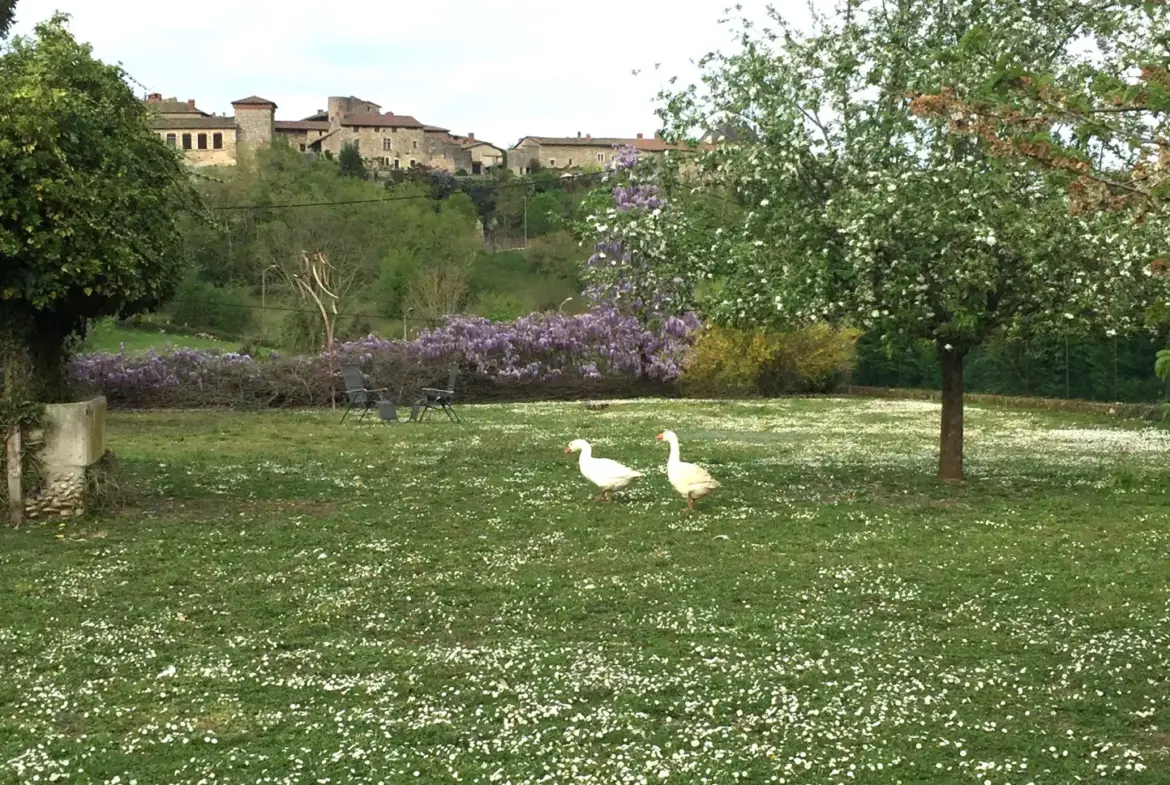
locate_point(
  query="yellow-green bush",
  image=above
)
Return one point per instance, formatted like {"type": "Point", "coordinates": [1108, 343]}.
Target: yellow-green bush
{"type": "Point", "coordinates": [726, 360]}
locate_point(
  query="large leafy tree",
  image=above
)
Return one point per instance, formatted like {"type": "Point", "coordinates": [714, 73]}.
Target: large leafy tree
{"type": "Point", "coordinates": [856, 211]}
{"type": "Point", "coordinates": [7, 15]}
{"type": "Point", "coordinates": [89, 199]}
{"type": "Point", "coordinates": [1099, 127]}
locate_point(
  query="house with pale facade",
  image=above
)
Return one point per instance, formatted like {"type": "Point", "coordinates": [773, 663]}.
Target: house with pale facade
{"type": "Point", "coordinates": [484, 155]}
{"type": "Point", "coordinates": [580, 151]}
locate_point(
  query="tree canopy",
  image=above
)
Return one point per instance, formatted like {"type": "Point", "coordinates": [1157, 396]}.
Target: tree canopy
{"type": "Point", "coordinates": [7, 16]}
{"type": "Point", "coordinates": [89, 200]}
{"type": "Point", "coordinates": [1099, 121]}
{"type": "Point", "coordinates": [853, 210]}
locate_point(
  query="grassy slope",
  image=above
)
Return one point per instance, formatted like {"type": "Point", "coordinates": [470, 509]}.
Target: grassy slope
{"type": "Point", "coordinates": [106, 336]}
{"type": "Point", "coordinates": [396, 603]}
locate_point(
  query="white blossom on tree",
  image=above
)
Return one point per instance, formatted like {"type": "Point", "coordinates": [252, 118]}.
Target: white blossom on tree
{"type": "Point", "coordinates": [854, 210]}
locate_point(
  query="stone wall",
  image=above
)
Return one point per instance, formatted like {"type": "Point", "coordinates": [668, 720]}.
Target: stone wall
{"type": "Point", "coordinates": [406, 145]}
{"type": "Point", "coordinates": [486, 155]}
{"type": "Point", "coordinates": [297, 138]}
{"type": "Point", "coordinates": [442, 152]}
{"type": "Point", "coordinates": [255, 126]}
{"type": "Point", "coordinates": [339, 105]}
{"type": "Point", "coordinates": [574, 155]}
{"type": "Point", "coordinates": [74, 439]}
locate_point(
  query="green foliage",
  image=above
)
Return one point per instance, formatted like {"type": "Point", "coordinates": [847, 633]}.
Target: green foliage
{"type": "Point", "coordinates": [546, 214]}
{"type": "Point", "coordinates": [857, 212]}
{"type": "Point", "coordinates": [501, 306]}
{"type": "Point", "coordinates": [526, 274]}
{"type": "Point", "coordinates": [7, 16]}
{"type": "Point", "coordinates": [199, 305]}
{"type": "Point", "coordinates": [350, 163]}
{"type": "Point", "coordinates": [430, 238]}
{"type": "Point", "coordinates": [90, 199]}
{"type": "Point", "coordinates": [1047, 365]}
{"type": "Point", "coordinates": [757, 361]}
{"type": "Point", "coordinates": [1162, 365]}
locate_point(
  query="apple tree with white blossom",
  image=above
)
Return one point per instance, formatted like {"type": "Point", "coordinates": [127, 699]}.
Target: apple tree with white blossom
{"type": "Point", "coordinates": [858, 211]}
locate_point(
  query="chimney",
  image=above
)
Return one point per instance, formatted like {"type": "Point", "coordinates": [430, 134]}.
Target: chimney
{"type": "Point", "coordinates": [578, 134]}
{"type": "Point", "coordinates": [639, 136]}
{"type": "Point", "coordinates": [471, 136]}
{"type": "Point", "coordinates": [191, 103]}
{"type": "Point", "coordinates": [587, 136]}
{"type": "Point", "coordinates": [154, 97]}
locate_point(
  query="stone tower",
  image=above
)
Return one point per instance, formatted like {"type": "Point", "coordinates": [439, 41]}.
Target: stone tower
{"type": "Point", "coordinates": [255, 122]}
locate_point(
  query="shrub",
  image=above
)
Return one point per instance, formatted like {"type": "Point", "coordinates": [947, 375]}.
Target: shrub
{"type": "Point", "coordinates": [541, 346]}
{"type": "Point", "coordinates": [199, 305]}
{"type": "Point", "coordinates": [500, 306]}
{"type": "Point", "coordinates": [563, 355]}
{"type": "Point", "coordinates": [729, 361]}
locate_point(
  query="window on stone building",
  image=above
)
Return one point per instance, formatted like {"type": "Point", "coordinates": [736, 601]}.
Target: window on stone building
{"type": "Point", "coordinates": [387, 143]}
{"type": "Point", "coordinates": [552, 162]}
{"type": "Point", "coordinates": [600, 157]}
{"type": "Point", "coordinates": [414, 145]}
{"type": "Point", "coordinates": [186, 141]}
{"type": "Point", "coordinates": [172, 140]}
{"type": "Point", "coordinates": [302, 148]}
{"type": "Point", "coordinates": [217, 141]}
{"type": "Point", "coordinates": [570, 162]}
{"type": "Point", "coordinates": [396, 162]}
{"type": "Point", "coordinates": [412, 162]}
{"type": "Point", "coordinates": [202, 141]}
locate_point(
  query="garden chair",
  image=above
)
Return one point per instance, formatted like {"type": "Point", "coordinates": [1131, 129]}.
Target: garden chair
{"type": "Point", "coordinates": [436, 398]}
{"type": "Point", "coordinates": [358, 395]}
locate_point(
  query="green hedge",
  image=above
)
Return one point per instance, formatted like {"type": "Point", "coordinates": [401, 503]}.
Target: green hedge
{"type": "Point", "coordinates": [1107, 369]}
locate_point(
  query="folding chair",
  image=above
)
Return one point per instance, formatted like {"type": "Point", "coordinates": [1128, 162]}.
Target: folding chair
{"type": "Point", "coordinates": [357, 394]}
{"type": "Point", "coordinates": [436, 398]}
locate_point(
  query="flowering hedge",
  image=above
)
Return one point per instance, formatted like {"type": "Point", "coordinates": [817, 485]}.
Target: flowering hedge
{"type": "Point", "coordinates": [541, 355]}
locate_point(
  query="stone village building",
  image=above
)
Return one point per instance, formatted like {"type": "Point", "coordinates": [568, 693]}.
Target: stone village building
{"type": "Point", "coordinates": [580, 152]}
{"type": "Point", "coordinates": [385, 140]}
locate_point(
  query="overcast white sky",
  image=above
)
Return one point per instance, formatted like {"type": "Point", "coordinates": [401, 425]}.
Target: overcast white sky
{"type": "Point", "coordinates": [501, 69]}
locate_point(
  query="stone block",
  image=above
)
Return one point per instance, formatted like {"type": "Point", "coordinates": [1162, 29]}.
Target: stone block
{"type": "Point", "coordinates": [75, 437]}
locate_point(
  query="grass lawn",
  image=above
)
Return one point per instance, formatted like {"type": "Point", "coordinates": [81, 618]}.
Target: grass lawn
{"type": "Point", "coordinates": [106, 336]}
{"type": "Point", "coordinates": [294, 601]}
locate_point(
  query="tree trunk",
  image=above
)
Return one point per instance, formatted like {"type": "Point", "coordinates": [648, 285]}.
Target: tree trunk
{"type": "Point", "coordinates": [950, 456]}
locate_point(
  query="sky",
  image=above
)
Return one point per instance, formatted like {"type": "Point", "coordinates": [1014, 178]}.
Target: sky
{"type": "Point", "coordinates": [500, 69]}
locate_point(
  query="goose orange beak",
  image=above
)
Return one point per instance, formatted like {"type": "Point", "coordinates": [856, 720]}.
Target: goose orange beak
{"type": "Point", "coordinates": [658, 437]}
{"type": "Point", "coordinates": [568, 449]}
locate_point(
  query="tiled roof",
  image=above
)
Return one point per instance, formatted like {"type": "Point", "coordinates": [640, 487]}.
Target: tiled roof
{"type": "Point", "coordinates": [646, 145]}
{"type": "Point", "coordinates": [302, 125]}
{"type": "Point", "coordinates": [160, 105]}
{"type": "Point", "coordinates": [188, 123]}
{"type": "Point", "coordinates": [381, 121]}
{"type": "Point", "coordinates": [254, 100]}
{"type": "Point", "coordinates": [320, 139]}
{"type": "Point", "coordinates": [467, 143]}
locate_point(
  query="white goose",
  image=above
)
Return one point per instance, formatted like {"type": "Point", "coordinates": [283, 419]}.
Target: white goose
{"type": "Point", "coordinates": [690, 480]}
{"type": "Point", "coordinates": [606, 474]}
